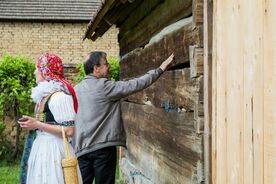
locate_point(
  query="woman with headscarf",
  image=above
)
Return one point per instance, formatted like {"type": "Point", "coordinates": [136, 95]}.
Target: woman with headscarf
{"type": "Point", "coordinates": [56, 106]}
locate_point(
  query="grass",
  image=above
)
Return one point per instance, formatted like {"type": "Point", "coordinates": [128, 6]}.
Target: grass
{"type": "Point", "coordinates": [9, 174]}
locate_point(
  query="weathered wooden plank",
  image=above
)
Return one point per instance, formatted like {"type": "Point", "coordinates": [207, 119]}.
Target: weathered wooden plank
{"type": "Point", "coordinates": [165, 140]}
{"type": "Point", "coordinates": [196, 60]}
{"type": "Point", "coordinates": [208, 83]}
{"type": "Point", "coordinates": [92, 27]}
{"type": "Point", "coordinates": [175, 87]}
{"type": "Point", "coordinates": [162, 16]}
{"type": "Point", "coordinates": [138, 14]}
{"type": "Point", "coordinates": [147, 124]}
{"type": "Point", "coordinates": [141, 60]}
{"type": "Point", "coordinates": [115, 15]}
{"type": "Point", "coordinates": [197, 12]}
{"type": "Point", "coordinates": [131, 175]}
{"type": "Point", "coordinates": [199, 108]}
{"type": "Point", "coordinates": [157, 167]}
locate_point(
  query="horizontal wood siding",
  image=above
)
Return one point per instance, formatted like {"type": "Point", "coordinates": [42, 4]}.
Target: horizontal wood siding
{"type": "Point", "coordinates": [161, 16]}
{"type": "Point", "coordinates": [141, 60]}
{"type": "Point", "coordinates": [164, 123]}
{"type": "Point", "coordinates": [163, 145]}
{"type": "Point", "coordinates": [175, 86]}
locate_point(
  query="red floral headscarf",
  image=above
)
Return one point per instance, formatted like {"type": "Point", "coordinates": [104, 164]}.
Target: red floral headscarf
{"type": "Point", "coordinates": [51, 68]}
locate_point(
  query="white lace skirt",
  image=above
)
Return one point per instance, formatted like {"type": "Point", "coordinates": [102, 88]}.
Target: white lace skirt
{"type": "Point", "coordinates": [44, 164]}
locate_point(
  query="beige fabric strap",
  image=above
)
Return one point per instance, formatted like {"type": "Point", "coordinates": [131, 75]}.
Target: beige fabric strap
{"type": "Point", "coordinates": [40, 116]}
{"type": "Point", "coordinates": [66, 144]}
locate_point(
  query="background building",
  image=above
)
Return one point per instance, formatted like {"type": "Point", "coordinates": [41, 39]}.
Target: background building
{"type": "Point", "coordinates": [34, 27]}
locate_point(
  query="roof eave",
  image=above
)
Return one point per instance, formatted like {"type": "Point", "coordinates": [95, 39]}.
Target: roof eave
{"type": "Point", "coordinates": [108, 7]}
{"type": "Point", "coordinates": [92, 25]}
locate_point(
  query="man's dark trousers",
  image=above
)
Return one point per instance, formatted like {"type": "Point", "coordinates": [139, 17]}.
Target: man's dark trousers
{"type": "Point", "coordinates": [99, 164]}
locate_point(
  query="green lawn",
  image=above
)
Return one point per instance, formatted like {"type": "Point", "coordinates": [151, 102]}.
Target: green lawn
{"type": "Point", "coordinates": [9, 175]}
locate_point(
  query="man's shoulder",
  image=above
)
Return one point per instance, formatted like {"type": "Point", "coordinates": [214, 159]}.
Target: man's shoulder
{"type": "Point", "coordinates": [91, 83]}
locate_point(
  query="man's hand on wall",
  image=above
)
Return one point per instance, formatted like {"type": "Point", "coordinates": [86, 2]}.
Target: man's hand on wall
{"type": "Point", "coordinates": [167, 62]}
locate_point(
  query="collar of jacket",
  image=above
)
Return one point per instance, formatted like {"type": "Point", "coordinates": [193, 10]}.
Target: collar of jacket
{"type": "Point", "coordinates": [90, 76]}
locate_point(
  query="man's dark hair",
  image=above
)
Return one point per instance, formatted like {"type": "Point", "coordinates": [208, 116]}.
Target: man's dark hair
{"type": "Point", "coordinates": [93, 60]}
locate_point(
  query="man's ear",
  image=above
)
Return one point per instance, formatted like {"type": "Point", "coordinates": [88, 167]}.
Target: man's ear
{"type": "Point", "coordinates": [96, 69]}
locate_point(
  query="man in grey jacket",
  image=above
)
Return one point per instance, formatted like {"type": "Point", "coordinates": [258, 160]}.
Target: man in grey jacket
{"type": "Point", "coordinates": [99, 127]}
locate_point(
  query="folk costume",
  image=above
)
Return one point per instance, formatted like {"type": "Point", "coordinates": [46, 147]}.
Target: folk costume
{"type": "Point", "coordinates": [56, 104]}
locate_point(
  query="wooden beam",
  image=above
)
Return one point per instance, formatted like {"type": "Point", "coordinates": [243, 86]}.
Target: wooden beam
{"type": "Point", "coordinates": [93, 24]}
{"type": "Point", "coordinates": [208, 124]}
{"type": "Point", "coordinates": [197, 13]}
{"type": "Point", "coordinates": [138, 14]}
{"type": "Point", "coordinates": [114, 16]}
{"type": "Point", "coordinates": [199, 109]}
{"type": "Point", "coordinates": [141, 60]}
{"type": "Point", "coordinates": [196, 61]}
{"type": "Point", "coordinates": [162, 16]}
{"type": "Point", "coordinates": [199, 125]}
{"type": "Point", "coordinates": [164, 140]}
{"type": "Point", "coordinates": [173, 87]}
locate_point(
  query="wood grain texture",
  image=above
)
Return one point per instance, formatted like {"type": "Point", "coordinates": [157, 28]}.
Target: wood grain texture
{"type": "Point", "coordinates": [197, 13]}
{"type": "Point", "coordinates": [243, 88]}
{"type": "Point", "coordinates": [196, 60]}
{"type": "Point", "coordinates": [165, 141]}
{"type": "Point", "coordinates": [160, 17]}
{"type": "Point", "coordinates": [141, 60]}
{"type": "Point", "coordinates": [208, 83]}
{"type": "Point", "coordinates": [138, 14]}
{"type": "Point", "coordinates": [269, 102]}
{"type": "Point", "coordinates": [175, 86]}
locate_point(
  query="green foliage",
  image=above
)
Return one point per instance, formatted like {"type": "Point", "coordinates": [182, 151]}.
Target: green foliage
{"type": "Point", "coordinates": [114, 70]}
{"type": "Point", "coordinates": [9, 175]}
{"type": "Point", "coordinates": [80, 74]}
{"type": "Point", "coordinates": [16, 82]}
{"type": "Point", "coordinates": [5, 146]}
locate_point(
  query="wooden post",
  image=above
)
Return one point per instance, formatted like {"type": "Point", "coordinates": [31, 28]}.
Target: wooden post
{"type": "Point", "coordinates": [197, 13]}
{"type": "Point", "coordinates": [196, 61]}
{"type": "Point", "coordinates": [208, 45]}
{"type": "Point", "coordinates": [199, 109]}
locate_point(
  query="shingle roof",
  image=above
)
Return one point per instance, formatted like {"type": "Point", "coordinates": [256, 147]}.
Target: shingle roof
{"type": "Point", "coordinates": [55, 10]}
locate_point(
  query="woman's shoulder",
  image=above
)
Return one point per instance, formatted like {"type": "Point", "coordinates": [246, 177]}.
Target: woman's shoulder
{"type": "Point", "coordinates": [60, 97]}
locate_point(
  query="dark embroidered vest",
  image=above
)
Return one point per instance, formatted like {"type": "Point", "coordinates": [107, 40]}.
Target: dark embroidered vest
{"type": "Point", "coordinates": [45, 115]}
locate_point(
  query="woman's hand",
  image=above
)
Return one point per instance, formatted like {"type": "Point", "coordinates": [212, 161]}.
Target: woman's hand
{"type": "Point", "coordinates": [29, 123]}
{"type": "Point", "coordinates": [167, 62]}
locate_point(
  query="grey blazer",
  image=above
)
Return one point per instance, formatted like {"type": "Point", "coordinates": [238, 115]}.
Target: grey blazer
{"type": "Point", "coordinates": [98, 122]}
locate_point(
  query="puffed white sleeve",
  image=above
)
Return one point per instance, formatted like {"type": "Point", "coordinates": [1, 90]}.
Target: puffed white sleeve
{"type": "Point", "coordinates": [62, 107]}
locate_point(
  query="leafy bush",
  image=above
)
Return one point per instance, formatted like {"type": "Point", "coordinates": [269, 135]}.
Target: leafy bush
{"type": "Point", "coordinates": [114, 70]}
{"type": "Point", "coordinates": [5, 146]}
{"type": "Point", "coordinates": [80, 74]}
{"type": "Point", "coordinates": [16, 82]}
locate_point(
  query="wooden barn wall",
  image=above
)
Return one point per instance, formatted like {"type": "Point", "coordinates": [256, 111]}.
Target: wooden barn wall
{"type": "Point", "coordinates": [164, 123]}
{"type": "Point", "coordinates": [148, 19]}
{"type": "Point", "coordinates": [244, 88]}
